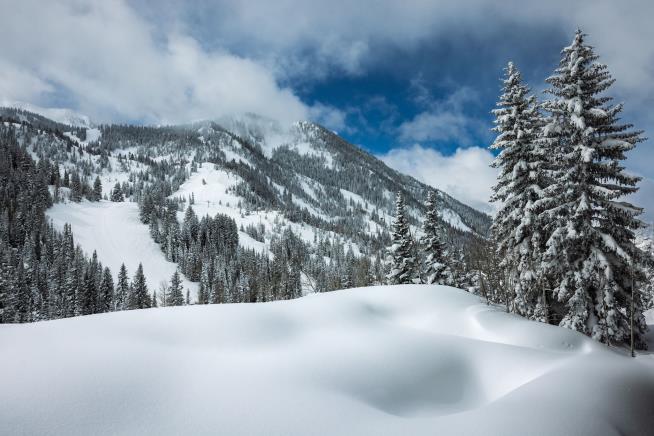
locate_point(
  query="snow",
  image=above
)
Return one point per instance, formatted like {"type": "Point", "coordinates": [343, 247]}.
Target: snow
{"type": "Point", "coordinates": [212, 197]}
{"type": "Point", "coordinates": [308, 149]}
{"type": "Point", "coordinates": [209, 186]}
{"type": "Point", "coordinates": [453, 219]}
{"type": "Point", "coordinates": [412, 359]}
{"type": "Point", "coordinates": [116, 233]}
{"type": "Point", "coordinates": [92, 135]}
{"type": "Point", "coordinates": [231, 155]}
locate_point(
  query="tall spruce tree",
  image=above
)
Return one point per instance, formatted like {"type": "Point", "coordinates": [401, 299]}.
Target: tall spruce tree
{"type": "Point", "coordinates": [106, 295]}
{"type": "Point", "coordinates": [520, 182]}
{"type": "Point", "coordinates": [175, 291]}
{"type": "Point", "coordinates": [139, 297]}
{"type": "Point", "coordinates": [117, 193]}
{"type": "Point", "coordinates": [591, 254]}
{"type": "Point", "coordinates": [97, 189]}
{"type": "Point", "coordinates": [403, 268]}
{"type": "Point", "coordinates": [435, 268]}
{"type": "Point", "coordinates": [122, 289]}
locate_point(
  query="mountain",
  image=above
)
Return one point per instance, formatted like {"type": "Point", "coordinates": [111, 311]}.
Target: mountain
{"type": "Point", "coordinates": [336, 198]}
{"type": "Point", "coordinates": [63, 116]}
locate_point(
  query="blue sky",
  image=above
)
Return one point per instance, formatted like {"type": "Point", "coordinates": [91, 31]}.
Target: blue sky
{"type": "Point", "coordinates": [413, 81]}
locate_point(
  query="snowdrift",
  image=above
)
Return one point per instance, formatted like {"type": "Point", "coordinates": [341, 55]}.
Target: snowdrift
{"type": "Point", "coordinates": [397, 360]}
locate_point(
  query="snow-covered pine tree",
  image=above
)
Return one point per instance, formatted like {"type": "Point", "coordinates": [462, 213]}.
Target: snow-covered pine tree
{"type": "Point", "coordinates": [175, 291]}
{"type": "Point", "coordinates": [122, 289]}
{"type": "Point", "coordinates": [117, 193]}
{"type": "Point", "coordinates": [106, 295]}
{"type": "Point", "coordinates": [97, 189]}
{"type": "Point", "coordinates": [205, 291]}
{"type": "Point", "coordinates": [435, 268]}
{"type": "Point", "coordinates": [139, 297]}
{"type": "Point", "coordinates": [522, 177]}
{"type": "Point", "coordinates": [590, 252]}
{"type": "Point", "coordinates": [403, 268]}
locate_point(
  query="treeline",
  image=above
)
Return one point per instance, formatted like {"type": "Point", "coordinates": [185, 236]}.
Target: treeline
{"type": "Point", "coordinates": [207, 251]}
{"type": "Point", "coordinates": [43, 275]}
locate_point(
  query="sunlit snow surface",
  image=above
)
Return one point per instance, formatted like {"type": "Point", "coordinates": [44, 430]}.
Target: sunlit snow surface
{"type": "Point", "coordinates": [404, 360]}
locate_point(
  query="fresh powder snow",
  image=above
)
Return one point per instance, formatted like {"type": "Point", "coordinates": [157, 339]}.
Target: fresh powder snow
{"type": "Point", "coordinates": [114, 230]}
{"type": "Point", "coordinates": [390, 360]}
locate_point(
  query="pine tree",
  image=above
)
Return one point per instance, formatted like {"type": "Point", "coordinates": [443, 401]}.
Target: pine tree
{"type": "Point", "coordinates": [591, 253]}
{"type": "Point", "coordinates": [522, 178]}
{"type": "Point", "coordinates": [205, 291]}
{"type": "Point", "coordinates": [97, 189]}
{"type": "Point", "coordinates": [122, 289]}
{"type": "Point", "coordinates": [106, 295]}
{"type": "Point", "coordinates": [117, 193]}
{"type": "Point", "coordinates": [176, 293]}
{"type": "Point", "coordinates": [75, 188]}
{"type": "Point", "coordinates": [402, 250]}
{"type": "Point", "coordinates": [435, 268]}
{"type": "Point", "coordinates": [139, 297]}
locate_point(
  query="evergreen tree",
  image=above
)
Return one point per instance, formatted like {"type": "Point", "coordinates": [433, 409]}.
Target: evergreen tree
{"type": "Point", "coordinates": [176, 292]}
{"type": "Point", "coordinates": [117, 193]}
{"type": "Point", "coordinates": [591, 254]}
{"type": "Point", "coordinates": [205, 291]}
{"type": "Point", "coordinates": [522, 178]}
{"type": "Point", "coordinates": [122, 289]}
{"type": "Point", "coordinates": [75, 188]}
{"type": "Point", "coordinates": [435, 268]}
{"type": "Point", "coordinates": [106, 295]}
{"type": "Point", "coordinates": [402, 250]}
{"type": "Point", "coordinates": [139, 296]}
{"type": "Point", "coordinates": [97, 189]}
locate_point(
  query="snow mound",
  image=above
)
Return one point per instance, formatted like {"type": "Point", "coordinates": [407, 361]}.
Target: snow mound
{"type": "Point", "coordinates": [393, 360]}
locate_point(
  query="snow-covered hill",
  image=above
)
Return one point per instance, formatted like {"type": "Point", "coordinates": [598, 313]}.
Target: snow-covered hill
{"type": "Point", "coordinates": [268, 178]}
{"type": "Point", "coordinates": [114, 231]}
{"type": "Point", "coordinates": [398, 360]}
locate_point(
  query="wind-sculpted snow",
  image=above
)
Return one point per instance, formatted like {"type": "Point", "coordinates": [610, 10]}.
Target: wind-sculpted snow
{"type": "Point", "coordinates": [401, 360]}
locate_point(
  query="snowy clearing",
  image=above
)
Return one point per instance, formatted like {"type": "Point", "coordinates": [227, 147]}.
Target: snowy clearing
{"type": "Point", "coordinates": [402, 360]}
{"type": "Point", "coordinates": [116, 233]}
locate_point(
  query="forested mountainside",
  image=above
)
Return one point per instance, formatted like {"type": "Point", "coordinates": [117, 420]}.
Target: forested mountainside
{"type": "Point", "coordinates": [249, 210]}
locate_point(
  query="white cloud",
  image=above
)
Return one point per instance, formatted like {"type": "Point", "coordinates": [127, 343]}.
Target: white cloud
{"type": "Point", "coordinates": [108, 62]}
{"type": "Point", "coordinates": [437, 126]}
{"type": "Point", "coordinates": [444, 120]}
{"type": "Point", "coordinates": [466, 175]}
{"type": "Point", "coordinates": [330, 117]}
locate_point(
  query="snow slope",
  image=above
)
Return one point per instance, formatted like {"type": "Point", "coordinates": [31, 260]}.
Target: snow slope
{"type": "Point", "coordinates": [116, 233]}
{"type": "Point", "coordinates": [402, 360]}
